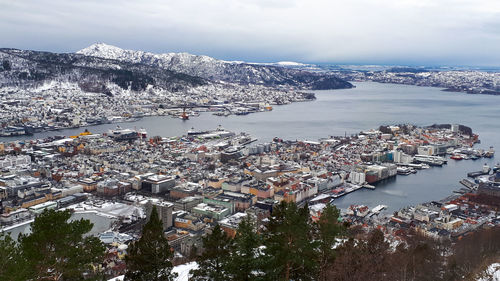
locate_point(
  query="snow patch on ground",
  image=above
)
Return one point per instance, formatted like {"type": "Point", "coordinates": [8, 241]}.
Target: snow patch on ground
{"type": "Point", "coordinates": [493, 273]}
{"type": "Point", "coordinates": [108, 209]}
{"type": "Point", "coordinates": [181, 270]}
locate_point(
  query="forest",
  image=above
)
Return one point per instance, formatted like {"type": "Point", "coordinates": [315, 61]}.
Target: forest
{"type": "Point", "coordinates": [288, 246]}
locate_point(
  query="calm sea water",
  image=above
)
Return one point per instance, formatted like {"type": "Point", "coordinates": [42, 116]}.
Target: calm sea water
{"type": "Point", "coordinates": [349, 111]}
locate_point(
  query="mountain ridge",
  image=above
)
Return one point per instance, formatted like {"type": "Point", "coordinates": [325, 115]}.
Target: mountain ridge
{"type": "Point", "coordinates": [271, 75]}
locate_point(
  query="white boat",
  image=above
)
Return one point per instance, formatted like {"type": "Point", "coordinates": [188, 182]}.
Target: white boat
{"type": "Point", "coordinates": [369, 186]}
{"type": "Point", "coordinates": [378, 209]}
{"type": "Point", "coordinates": [404, 171]}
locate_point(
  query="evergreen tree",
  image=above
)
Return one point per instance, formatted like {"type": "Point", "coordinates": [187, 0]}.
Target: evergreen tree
{"type": "Point", "coordinates": [149, 258]}
{"type": "Point", "coordinates": [213, 262]}
{"type": "Point", "coordinates": [58, 250]}
{"type": "Point", "coordinates": [12, 265]}
{"type": "Point", "coordinates": [6, 65]}
{"type": "Point", "coordinates": [328, 230]}
{"type": "Point", "coordinates": [244, 263]}
{"type": "Point", "coordinates": [290, 247]}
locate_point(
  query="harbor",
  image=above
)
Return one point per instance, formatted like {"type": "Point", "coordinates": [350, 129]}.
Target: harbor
{"type": "Point", "coordinates": [391, 176]}
{"type": "Point", "coordinates": [328, 170]}
{"type": "Point", "coordinates": [332, 117]}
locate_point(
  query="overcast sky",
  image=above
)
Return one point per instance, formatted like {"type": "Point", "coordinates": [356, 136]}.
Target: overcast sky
{"type": "Point", "coordinates": [421, 32]}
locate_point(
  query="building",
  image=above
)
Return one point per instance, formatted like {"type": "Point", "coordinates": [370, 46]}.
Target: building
{"type": "Point", "coordinates": [241, 201]}
{"type": "Point", "coordinates": [259, 189]}
{"type": "Point", "coordinates": [164, 210]}
{"type": "Point", "coordinates": [228, 155]}
{"type": "Point", "coordinates": [88, 184]}
{"type": "Point", "coordinates": [213, 211]}
{"type": "Point", "coordinates": [221, 200]}
{"type": "Point", "coordinates": [38, 209]}
{"type": "Point", "coordinates": [187, 203]}
{"type": "Point", "coordinates": [231, 223]}
{"type": "Point", "coordinates": [489, 188]}
{"type": "Point", "coordinates": [113, 187]}
{"type": "Point", "coordinates": [20, 214]}
{"type": "Point", "coordinates": [158, 183]}
{"type": "Point", "coordinates": [425, 150]}
{"type": "Point", "coordinates": [186, 190]}
{"type": "Point", "coordinates": [18, 185]}
{"type": "Point", "coordinates": [187, 221]}
{"type": "Point", "coordinates": [3, 192]}
{"type": "Point", "coordinates": [13, 161]}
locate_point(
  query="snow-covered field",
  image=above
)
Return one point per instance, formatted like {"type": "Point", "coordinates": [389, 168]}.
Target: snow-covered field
{"type": "Point", "coordinates": [113, 209]}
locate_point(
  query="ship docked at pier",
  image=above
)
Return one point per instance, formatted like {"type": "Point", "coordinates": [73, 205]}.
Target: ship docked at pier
{"type": "Point", "coordinates": [120, 134]}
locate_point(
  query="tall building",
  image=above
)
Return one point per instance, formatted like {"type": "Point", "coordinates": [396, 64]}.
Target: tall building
{"type": "Point", "coordinates": [164, 210]}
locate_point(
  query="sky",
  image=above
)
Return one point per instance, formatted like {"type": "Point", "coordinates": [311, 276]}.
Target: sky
{"type": "Point", "coordinates": [404, 32]}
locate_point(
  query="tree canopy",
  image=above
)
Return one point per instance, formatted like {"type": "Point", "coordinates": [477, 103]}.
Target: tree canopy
{"type": "Point", "coordinates": [57, 249]}
{"type": "Point", "coordinates": [213, 262]}
{"type": "Point", "coordinates": [289, 245]}
{"type": "Point", "coordinates": [150, 258]}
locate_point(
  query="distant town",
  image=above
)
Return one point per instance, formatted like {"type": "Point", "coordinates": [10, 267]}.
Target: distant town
{"type": "Point", "coordinates": [467, 81]}
{"type": "Point", "coordinates": [25, 112]}
{"type": "Point", "coordinates": [219, 176]}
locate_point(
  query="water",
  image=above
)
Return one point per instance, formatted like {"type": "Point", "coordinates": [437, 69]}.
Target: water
{"type": "Point", "coordinates": [349, 111]}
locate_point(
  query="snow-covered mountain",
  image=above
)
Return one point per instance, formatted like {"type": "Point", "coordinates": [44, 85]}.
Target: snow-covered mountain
{"type": "Point", "coordinates": [25, 73]}
{"type": "Point", "coordinates": [28, 69]}
{"type": "Point", "coordinates": [110, 70]}
{"type": "Point", "coordinates": [218, 70]}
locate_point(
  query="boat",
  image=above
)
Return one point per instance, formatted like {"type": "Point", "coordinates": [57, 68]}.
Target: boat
{"type": "Point", "coordinates": [194, 132]}
{"type": "Point", "coordinates": [13, 131]}
{"type": "Point", "coordinates": [469, 184]}
{"type": "Point", "coordinates": [86, 133]}
{"type": "Point", "coordinates": [430, 160]}
{"type": "Point", "coordinates": [490, 153]}
{"type": "Point", "coordinates": [418, 166]}
{"type": "Point", "coordinates": [369, 186]}
{"type": "Point", "coordinates": [378, 209]}
{"type": "Point", "coordinates": [457, 157]}
{"type": "Point", "coordinates": [496, 168]}
{"type": "Point", "coordinates": [244, 112]}
{"type": "Point", "coordinates": [184, 115]}
{"type": "Point", "coordinates": [120, 134]}
{"type": "Point", "coordinates": [404, 171]}
{"type": "Point", "coordinates": [485, 171]}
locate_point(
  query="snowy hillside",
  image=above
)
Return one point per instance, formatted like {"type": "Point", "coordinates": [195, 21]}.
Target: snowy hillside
{"type": "Point", "coordinates": [28, 69]}
{"type": "Point", "coordinates": [215, 70]}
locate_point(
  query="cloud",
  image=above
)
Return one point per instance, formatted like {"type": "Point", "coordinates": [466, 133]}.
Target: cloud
{"type": "Point", "coordinates": [355, 31]}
